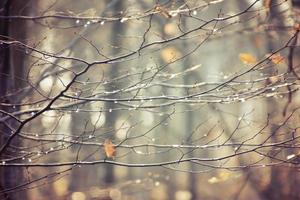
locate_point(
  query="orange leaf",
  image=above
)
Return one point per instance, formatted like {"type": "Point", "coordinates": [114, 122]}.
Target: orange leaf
{"type": "Point", "coordinates": [109, 148]}
{"type": "Point", "coordinates": [276, 58]}
{"type": "Point", "coordinates": [247, 58]}
{"type": "Point", "coordinates": [267, 4]}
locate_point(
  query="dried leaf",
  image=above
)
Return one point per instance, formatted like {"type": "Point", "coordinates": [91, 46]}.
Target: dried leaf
{"type": "Point", "coordinates": [247, 58]}
{"type": "Point", "coordinates": [109, 148]}
{"type": "Point", "coordinates": [276, 58]}
{"type": "Point", "coordinates": [273, 79]}
{"type": "Point", "coordinates": [267, 4]}
{"type": "Point", "coordinates": [163, 11]}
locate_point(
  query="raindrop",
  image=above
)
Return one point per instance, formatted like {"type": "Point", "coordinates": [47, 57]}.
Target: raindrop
{"type": "Point", "coordinates": [23, 158]}
{"type": "Point", "coordinates": [51, 149]}
{"type": "Point", "coordinates": [110, 110]}
{"type": "Point", "coordinates": [102, 23]}
{"type": "Point", "coordinates": [77, 21]}
{"type": "Point", "coordinates": [90, 136]}
{"type": "Point", "coordinates": [3, 162]}
{"type": "Point", "coordinates": [115, 101]}
{"type": "Point", "coordinates": [157, 183]}
{"type": "Point", "coordinates": [88, 22]}
{"type": "Point", "coordinates": [29, 160]}
{"type": "Point", "coordinates": [124, 19]}
{"type": "Point", "coordinates": [195, 12]}
{"type": "Point", "coordinates": [32, 113]}
{"type": "Point", "coordinates": [290, 156]}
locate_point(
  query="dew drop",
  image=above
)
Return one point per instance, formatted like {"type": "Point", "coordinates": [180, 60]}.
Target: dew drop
{"type": "Point", "coordinates": [124, 19]}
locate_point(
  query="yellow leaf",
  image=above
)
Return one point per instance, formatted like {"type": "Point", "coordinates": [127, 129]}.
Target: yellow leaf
{"type": "Point", "coordinates": [223, 176]}
{"type": "Point", "coordinates": [170, 54]}
{"type": "Point", "coordinates": [170, 29]}
{"type": "Point", "coordinates": [109, 148]}
{"type": "Point", "coordinates": [276, 58]}
{"type": "Point", "coordinates": [247, 58]}
{"type": "Point", "coordinates": [213, 180]}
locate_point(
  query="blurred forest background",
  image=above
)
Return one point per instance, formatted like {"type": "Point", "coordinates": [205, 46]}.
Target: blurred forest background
{"type": "Point", "coordinates": [149, 99]}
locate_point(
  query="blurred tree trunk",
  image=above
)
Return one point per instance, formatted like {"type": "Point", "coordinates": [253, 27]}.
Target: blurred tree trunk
{"type": "Point", "coordinates": [284, 181]}
{"type": "Point", "coordinates": [10, 67]}
{"type": "Point", "coordinates": [115, 40]}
